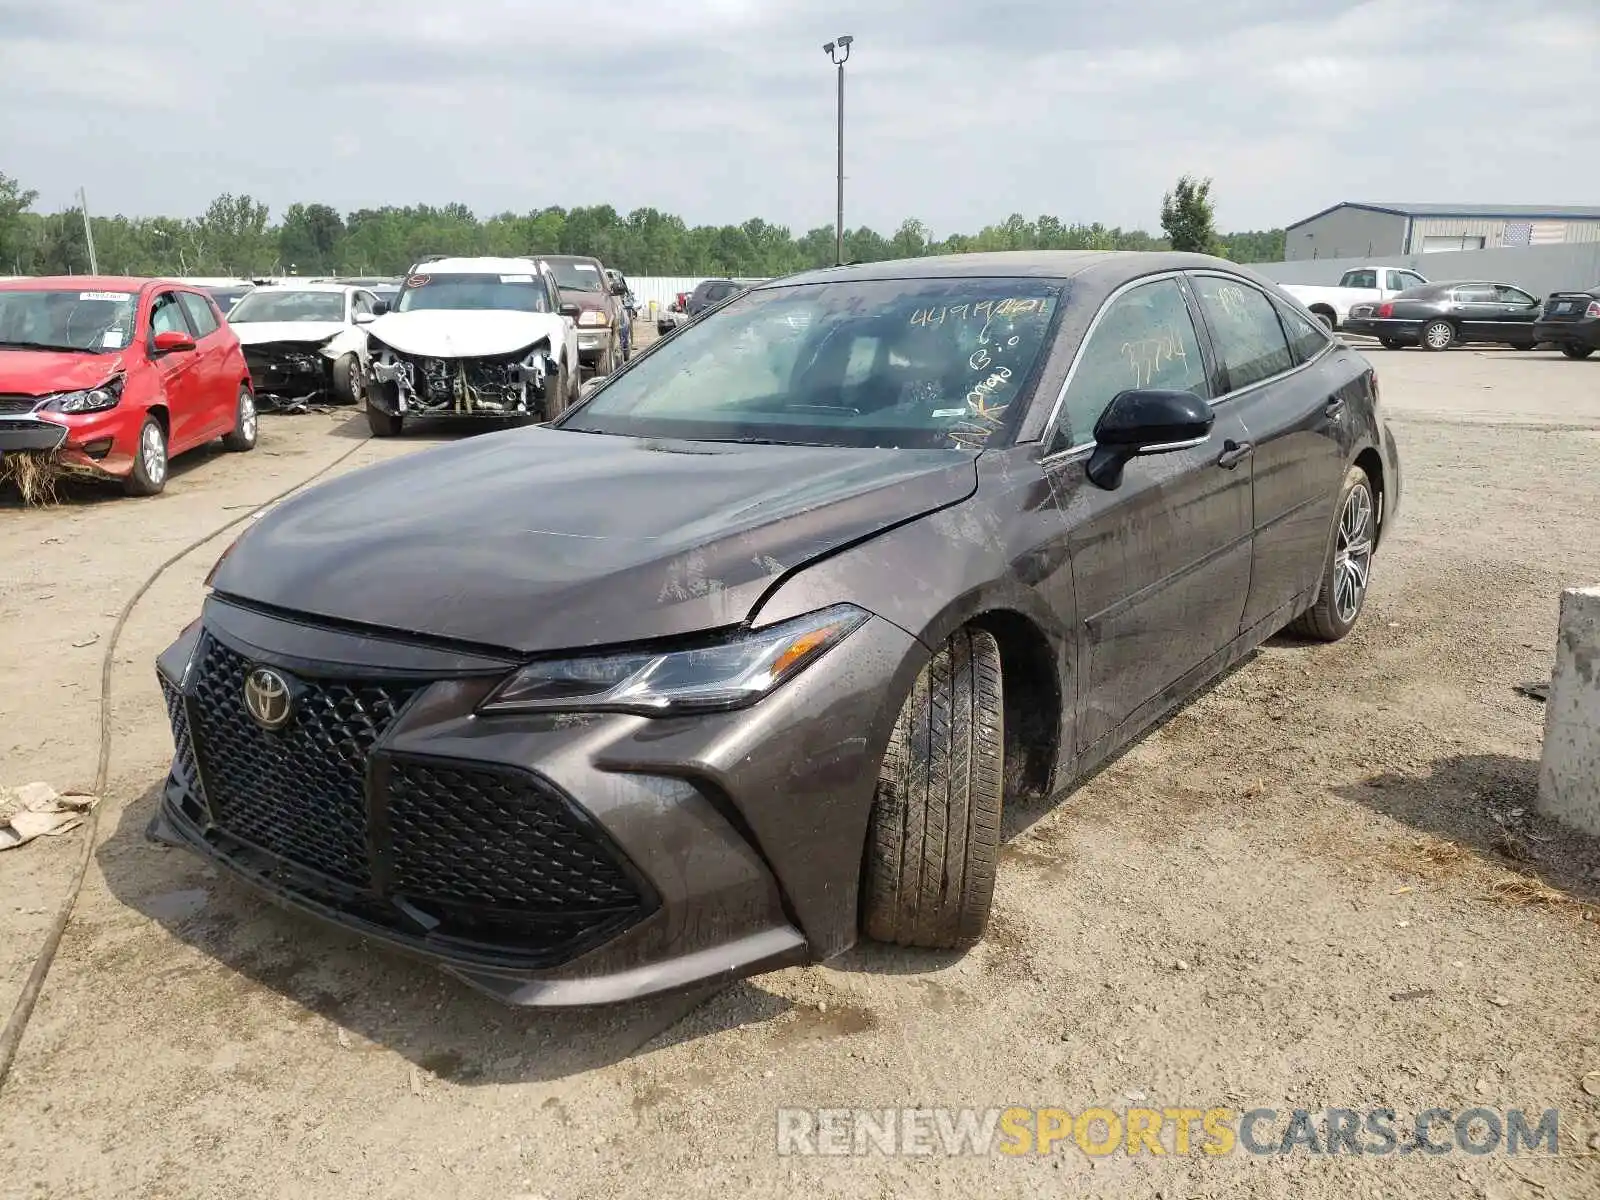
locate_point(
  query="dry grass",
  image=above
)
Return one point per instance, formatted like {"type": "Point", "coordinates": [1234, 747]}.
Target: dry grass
{"type": "Point", "coordinates": [1431, 857]}
{"type": "Point", "coordinates": [35, 475]}
{"type": "Point", "coordinates": [1526, 889]}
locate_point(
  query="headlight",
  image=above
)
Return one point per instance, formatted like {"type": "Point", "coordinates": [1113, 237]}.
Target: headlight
{"type": "Point", "coordinates": [92, 400]}
{"type": "Point", "coordinates": [720, 675]}
{"type": "Point", "coordinates": [592, 316]}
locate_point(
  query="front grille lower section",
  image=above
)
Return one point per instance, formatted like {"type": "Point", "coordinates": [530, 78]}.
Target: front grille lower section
{"type": "Point", "coordinates": [14, 405]}
{"type": "Point", "coordinates": [457, 856]}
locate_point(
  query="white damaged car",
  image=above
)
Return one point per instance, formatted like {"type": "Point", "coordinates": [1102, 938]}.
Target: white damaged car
{"type": "Point", "coordinates": [301, 341]}
{"type": "Point", "coordinates": [472, 337]}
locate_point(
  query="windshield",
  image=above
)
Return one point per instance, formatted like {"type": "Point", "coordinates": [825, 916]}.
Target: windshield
{"type": "Point", "coordinates": [66, 319]}
{"type": "Point", "coordinates": [287, 306]}
{"type": "Point", "coordinates": [578, 276]}
{"type": "Point", "coordinates": [916, 364]}
{"type": "Point", "coordinates": [518, 293]}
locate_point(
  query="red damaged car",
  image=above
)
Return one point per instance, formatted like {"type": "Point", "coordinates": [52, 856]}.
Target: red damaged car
{"type": "Point", "coordinates": [113, 376]}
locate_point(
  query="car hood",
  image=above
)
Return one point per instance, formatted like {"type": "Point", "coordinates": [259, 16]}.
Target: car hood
{"type": "Point", "coordinates": [539, 539]}
{"type": "Point", "coordinates": [43, 372]}
{"type": "Point", "coordinates": [256, 333]}
{"type": "Point", "coordinates": [463, 333]}
{"type": "Point", "coordinates": [583, 299]}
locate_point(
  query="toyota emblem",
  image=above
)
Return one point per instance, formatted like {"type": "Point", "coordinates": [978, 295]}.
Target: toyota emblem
{"type": "Point", "coordinates": [268, 698]}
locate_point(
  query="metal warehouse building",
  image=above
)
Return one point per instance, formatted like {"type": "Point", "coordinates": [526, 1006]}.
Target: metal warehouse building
{"type": "Point", "coordinates": [1349, 230]}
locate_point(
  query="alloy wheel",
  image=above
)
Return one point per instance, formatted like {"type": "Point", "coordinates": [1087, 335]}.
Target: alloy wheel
{"type": "Point", "coordinates": [153, 453]}
{"type": "Point", "coordinates": [1439, 335]}
{"type": "Point", "coordinates": [1352, 561]}
{"type": "Point", "coordinates": [247, 416]}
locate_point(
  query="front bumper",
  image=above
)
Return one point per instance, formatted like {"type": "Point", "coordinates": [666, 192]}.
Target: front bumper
{"type": "Point", "coordinates": [592, 345]}
{"type": "Point", "coordinates": [99, 445]}
{"type": "Point", "coordinates": [1582, 332]}
{"type": "Point", "coordinates": [293, 371]}
{"type": "Point", "coordinates": [547, 860]}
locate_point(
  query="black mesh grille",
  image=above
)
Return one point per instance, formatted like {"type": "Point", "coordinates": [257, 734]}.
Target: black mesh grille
{"type": "Point", "coordinates": [298, 793]}
{"type": "Point", "coordinates": [464, 835]}
{"type": "Point", "coordinates": [18, 404]}
{"type": "Point", "coordinates": [182, 743]}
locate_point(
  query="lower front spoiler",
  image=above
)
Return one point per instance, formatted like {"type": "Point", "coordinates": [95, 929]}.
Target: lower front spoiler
{"type": "Point", "coordinates": [765, 950]}
{"type": "Point", "coordinates": [19, 434]}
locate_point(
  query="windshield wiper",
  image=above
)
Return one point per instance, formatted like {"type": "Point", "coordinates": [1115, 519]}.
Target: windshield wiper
{"type": "Point", "coordinates": [25, 345]}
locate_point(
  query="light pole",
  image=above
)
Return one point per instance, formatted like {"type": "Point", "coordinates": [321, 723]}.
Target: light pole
{"type": "Point", "coordinates": [839, 53]}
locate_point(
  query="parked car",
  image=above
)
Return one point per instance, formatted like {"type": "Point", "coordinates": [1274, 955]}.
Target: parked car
{"type": "Point", "coordinates": [1359, 285]}
{"type": "Point", "coordinates": [1571, 320]}
{"type": "Point", "coordinates": [672, 316]}
{"type": "Point", "coordinates": [709, 292]}
{"type": "Point", "coordinates": [472, 337]}
{"type": "Point", "coordinates": [583, 283]}
{"type": "Point", "coordinates": [642, 699]}
{"type": "Point", "coordinates": [301, 340]}
{"type": "Point", "coordinates": [226, 297]}
{"type": "Point", "coordinates": [112, 376]}
{"type": "Point", "coordinates": [1437, 316]}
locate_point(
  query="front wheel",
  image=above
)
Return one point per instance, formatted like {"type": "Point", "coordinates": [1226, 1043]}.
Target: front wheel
{"type": "Point", "coordinates": [1348, 568]}
{"type": "Point", "coordinates": [1438, 335]}
{"type": "Point", "coordinates": [934, 834]}
{"type": "Point", "coordinates": [1573, 350]}
{"type": "Point", "coordinates": [347, 379]}
{"type": "Point", "coordinates": [149, 474]}
{"type": "Point", "coordinates": [384, 424]}
{"type": "Point", "coordinates": [1392, 343]}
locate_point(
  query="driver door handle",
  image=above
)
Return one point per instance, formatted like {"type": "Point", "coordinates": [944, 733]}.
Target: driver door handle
{"type": "Point", "coordinates": [1234, 453]}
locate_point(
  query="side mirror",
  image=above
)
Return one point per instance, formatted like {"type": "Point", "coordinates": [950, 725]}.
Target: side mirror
{"type": "Point", "coordinates": [169, 341]}
{"type": "Point", "coordinates": [588, 387]}
{"type": "Point", "coordinates": [619, 289]}
{"type": "Point", "coordinates": [569, 309]}
{"type": "Point", "coordinates": [379, 307]}
{"type": "Point", "coordinates": [365, 318]}
{"type": "Point", "coordinates": [1143, 422]}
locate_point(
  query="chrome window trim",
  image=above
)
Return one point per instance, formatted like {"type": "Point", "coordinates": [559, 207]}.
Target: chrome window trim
{"type": "Point", "coordinates": [1328, 344]}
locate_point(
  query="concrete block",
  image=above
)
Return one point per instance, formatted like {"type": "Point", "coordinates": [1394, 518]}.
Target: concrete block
{"type": "Point", "coordinates": [1569, 768]}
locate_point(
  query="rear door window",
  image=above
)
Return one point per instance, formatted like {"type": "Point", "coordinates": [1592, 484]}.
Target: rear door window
{"type": "Point", "coordinates": [201, 317]}
{"type": "Point", "coordinates": [1245, 327]}
{"type": "Point", "coordinates": [1361, 279]}
{"type": "Point", "coordinates": [1307, 339]}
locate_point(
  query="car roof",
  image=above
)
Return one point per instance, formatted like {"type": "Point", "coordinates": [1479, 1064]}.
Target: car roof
{"type": "Point", "coordinates": [1020, 264]}
{"type": "Point", "coordinates": [86, 283]}
{"type": "Point", "coordinates": [589, 258]}
{"type": "Point", "coordinates": [477, 266]}
{"type": "Point", "coordinates": [308, 286]}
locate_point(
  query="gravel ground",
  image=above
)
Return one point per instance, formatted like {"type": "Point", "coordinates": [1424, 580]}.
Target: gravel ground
{"type": "Point", "coordinates": [1312, 887]}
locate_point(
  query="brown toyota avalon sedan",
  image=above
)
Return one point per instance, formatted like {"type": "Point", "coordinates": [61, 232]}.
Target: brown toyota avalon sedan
{"type": "Point", "coordinates": [736, 661]}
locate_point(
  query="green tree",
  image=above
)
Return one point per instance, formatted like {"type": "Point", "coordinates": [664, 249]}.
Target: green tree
{"type": "Point", "coordinates": [16, 235]}
{"type": "Point", "coordinates": [311, 238]}
{"type": "Point", "coordinates": [1187, 216]}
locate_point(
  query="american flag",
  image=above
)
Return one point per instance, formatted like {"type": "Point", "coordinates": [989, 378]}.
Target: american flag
{"type": "Point", "coordinates": [1519, 233]}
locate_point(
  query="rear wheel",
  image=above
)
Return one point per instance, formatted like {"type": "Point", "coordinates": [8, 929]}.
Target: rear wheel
{"type": "Point", "coordinates": [1438, 335]}
{"type": "Point", "coordinates": [934, 834]}
{"type": "Point", "coordinates": [245, 424]}
{"type": "Point", "coordinates": [1392, 343]}
{"type": "Point", "coordinates": [1327, 318]}
{"type": "Point", "coordinates": [1573, 350]}
{"type": "Point", "coordinates": [384, 424]}
{"type": "Point", "coordinates": [1348, 568]}
{"type": "Point", "coordinates": [149, 474]}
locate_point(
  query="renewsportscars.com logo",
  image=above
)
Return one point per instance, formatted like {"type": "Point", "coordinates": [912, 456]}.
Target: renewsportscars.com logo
{"type": "Point", "coordinates": [1097, 1132]}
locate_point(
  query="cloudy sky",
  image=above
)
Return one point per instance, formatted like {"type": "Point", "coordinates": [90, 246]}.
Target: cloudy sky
{"type": "Point", "coordinates": [957, 113]}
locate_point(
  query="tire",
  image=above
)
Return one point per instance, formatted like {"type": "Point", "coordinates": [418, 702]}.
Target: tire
{"type": "Point", "coordinates": [1573, 350]}
{"type": "Point", "coordinates": [561, 394]}
{"type": "Point", "coordinates": [245, 424]}
{"type": "Point", "coordinates": [1328, 322]}
{"type": "Point", "coordinates": [346, 379]}
{"type": "Point", "coordinates": [1345, 576]}
{"type": "Point", "coordinates": [1524, 345]}
{"type": "Point", "coordinates": [151, 463]}
{"type": "Point", "coordinates": [1438, 334]}
{"type": "Point", "coordinates": [384, 424]}
{"type": "Point", "coordinates": [933, 840]}
{"type": "Point", "coordinates": [1392, 343]}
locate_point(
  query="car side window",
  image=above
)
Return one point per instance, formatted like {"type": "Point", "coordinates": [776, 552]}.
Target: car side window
{"type": "Point", "coordinates": [1474, 293]}
{"type": "Point", "coordinates": [1408, 280]}
{"type": "Point", "coordinates": [1362, 279]}
{"type": "Point", "coordinates": [201, 318]}
{"type": "Point", "coordinates": [360, 303]}
{"type": "Point", "coordinates": [1307, 339]}
{"type": "Point", "coordinates": [1245, 327]}
{"type": "Point", "coordinates": [1145, 338]}
{"type": "Point", "coordinates": [166, 316]}
{"type": "Point", "coordinates": [1511, 295]}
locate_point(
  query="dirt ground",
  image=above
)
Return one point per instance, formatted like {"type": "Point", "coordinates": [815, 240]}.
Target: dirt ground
{"type": "Point", "coordinates": [1310, 888]}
